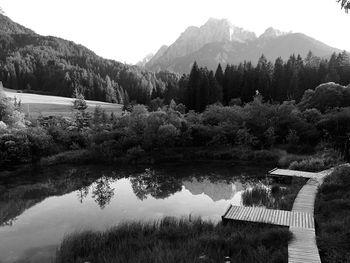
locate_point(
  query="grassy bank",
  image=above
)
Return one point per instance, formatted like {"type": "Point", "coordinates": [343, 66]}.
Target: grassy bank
{"type": "Point", "coordinates": [177, 240]}
{"type": "Point", "coordinates": [332, 212]}
{"type": "Point", "coordinates": [323, 159]}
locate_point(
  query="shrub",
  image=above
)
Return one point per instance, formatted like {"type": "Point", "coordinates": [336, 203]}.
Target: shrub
{"type": "Point", "coordinates": [167, 135]}
{"type": "Point", "coordinates": [14, 148]}
{"type": "Point", "coordinates": [318, 162]}
{"type": "Point", "coordinates": [332, 216]}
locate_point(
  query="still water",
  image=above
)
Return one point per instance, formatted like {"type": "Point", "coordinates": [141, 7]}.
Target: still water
{"type": "Point", "coordinates": [38, 208]}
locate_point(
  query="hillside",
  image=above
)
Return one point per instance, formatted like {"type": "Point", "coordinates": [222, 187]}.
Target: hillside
{"type": "Point", "coordinates": [218, 41]}
{"type": "Point", "coordinates": [55, 66]}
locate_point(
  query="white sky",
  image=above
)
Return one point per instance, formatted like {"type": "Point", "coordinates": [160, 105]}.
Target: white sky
{"type": "Point", "coordinates": [127, 30]}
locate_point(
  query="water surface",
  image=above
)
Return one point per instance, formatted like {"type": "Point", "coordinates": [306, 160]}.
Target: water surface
{"type": "Point", "coordinates": [38, 208]}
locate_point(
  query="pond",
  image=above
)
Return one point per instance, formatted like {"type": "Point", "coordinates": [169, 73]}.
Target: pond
{"type": "Point", "coordinates": [38, 208]}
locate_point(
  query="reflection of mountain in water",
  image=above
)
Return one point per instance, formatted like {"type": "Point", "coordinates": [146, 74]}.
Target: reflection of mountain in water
{"type": "Point", "coordinates": [219, 190]}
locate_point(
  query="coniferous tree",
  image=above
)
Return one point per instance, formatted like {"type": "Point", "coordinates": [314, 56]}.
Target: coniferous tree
{"type": "Point", "coordinates": [219, 75]}
{"type": "Point", "coordinates": [278, 81]}
{"type": "Point", "coordinates": [193, 87]}
{"type": "Point", "coordinates": [204, 90]}
{"type": "Point", "coordinates": [215, 91]}
{"type": "Point", "coordinates": [227, 84]}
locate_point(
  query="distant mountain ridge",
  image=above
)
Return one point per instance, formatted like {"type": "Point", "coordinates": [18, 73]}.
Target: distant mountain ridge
{"type": "Point", "coordinates": [219, 41]}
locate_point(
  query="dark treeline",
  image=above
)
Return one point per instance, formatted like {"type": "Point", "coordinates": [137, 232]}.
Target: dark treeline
{"type": "Point", "coordinates": [236, 84]}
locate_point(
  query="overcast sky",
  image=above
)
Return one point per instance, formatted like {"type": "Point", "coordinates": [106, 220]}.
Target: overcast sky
{"type": "Point", "coordinates": [127, 30]}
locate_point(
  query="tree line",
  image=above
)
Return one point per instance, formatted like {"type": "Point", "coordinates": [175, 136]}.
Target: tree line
{"type": "Point", "coordinates": [278, 82]}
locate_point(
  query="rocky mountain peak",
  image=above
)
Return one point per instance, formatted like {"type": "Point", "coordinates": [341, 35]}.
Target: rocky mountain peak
{"type": "Point", "coordinates": [272, 33]}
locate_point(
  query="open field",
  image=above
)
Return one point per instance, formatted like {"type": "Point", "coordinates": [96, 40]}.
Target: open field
{"type": "Point", "coordinates": [35, 105]}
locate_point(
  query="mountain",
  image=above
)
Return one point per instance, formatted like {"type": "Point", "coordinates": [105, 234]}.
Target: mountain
{"type": "Point", "coordinates": [218, 41]}
{"type": "Point", "coordinates": [10, 27]}
{"type": "Point", "coordinates": [46, 64]}
{"type": "Point", "coordinates": [145, 60]}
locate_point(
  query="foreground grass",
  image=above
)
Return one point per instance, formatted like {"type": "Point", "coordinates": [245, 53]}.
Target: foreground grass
{"type": "Point", "coordinates": [177, 240]}
{"type": "Point", "coordinates": [332, 213]}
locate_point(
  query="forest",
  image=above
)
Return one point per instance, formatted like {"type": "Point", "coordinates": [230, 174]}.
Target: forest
{"type": "Point", "coordinates": [278, 82]}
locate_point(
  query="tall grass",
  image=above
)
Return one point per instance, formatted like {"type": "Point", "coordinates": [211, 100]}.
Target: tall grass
{"type": "Point", "coordinates": [318, 162]}
{"type": "Point", "coordinates": [276, 197]}
{"type": "Point", "coordinates": [177, 240]}
{"type": "Point", "coordinates": [332, 214]}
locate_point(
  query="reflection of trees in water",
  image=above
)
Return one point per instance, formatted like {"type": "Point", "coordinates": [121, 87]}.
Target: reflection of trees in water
{"type": "Point", "coordinates": [155, 184]}
{"type": "Point", "coordinates": [257, 196]}
{"type": "Point", "coordinates": [82, 193]}
{"type": "Point", "coordinates": [102, 192]}
{"type": "Point", "coordinates": [21, 192]}
{"type": "Point", "coordinates": [275, 197]}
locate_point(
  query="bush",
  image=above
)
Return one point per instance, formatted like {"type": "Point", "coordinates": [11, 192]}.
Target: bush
{"type": "Point", "coordinates": [332, 216]}
{"type": "Point", "coordinates": [167, 135]}
{"type": "Point", "coordinates": [318, 162]}
{"type": "Point", "coordinates": [14, 148]}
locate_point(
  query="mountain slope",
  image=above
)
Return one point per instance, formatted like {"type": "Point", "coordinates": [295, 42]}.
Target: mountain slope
{"type": "Point", "coordinates": [55, 66]}
{"type": "Point", "coordinates": [194, 38]}
{"type": "Point", "coordinates": [10, 27]}
{"type": "Point", "coordinates": [233, 45]}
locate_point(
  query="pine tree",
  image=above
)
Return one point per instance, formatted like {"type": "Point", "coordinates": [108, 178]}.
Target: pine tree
{"type": "Point", "coordinates": [227, 84]}
{"type": "Point", "coordinates": [333, 75]}
{"type": "Point", "coordinates": [278, 83]}
{"type": "Point", "coordinates": [203, 94]}
{"type": "Point", "coordinates": [219, 75]}
{"type": "Point", "coordinates": [193, 87]}
{"type": "Point", "coordinates": [264, 76]}
{"type": "Point", "coordinates": [215, 91]}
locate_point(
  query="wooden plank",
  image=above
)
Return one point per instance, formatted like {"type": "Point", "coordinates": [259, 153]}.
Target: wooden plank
{"type": "Point", "coordinates": [291, 173]}
{"type": "Point", "coordinates": [300, 220]}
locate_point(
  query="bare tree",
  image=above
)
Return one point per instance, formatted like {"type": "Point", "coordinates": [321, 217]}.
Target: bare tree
{"type": "Point", "coordinates": [345, 4]}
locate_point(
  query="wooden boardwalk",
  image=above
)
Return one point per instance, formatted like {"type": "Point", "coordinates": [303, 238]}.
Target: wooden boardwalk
{"type": "Point", "coordinates": [291, 173]}
{"type": "Point", "coordinates": [270, 216]}
{"type": "Point", "coordinates": [303, 248]}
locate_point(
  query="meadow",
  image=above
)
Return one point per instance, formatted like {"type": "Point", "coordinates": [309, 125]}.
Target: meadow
{"type": "Point", "coordinates": [35, 105]}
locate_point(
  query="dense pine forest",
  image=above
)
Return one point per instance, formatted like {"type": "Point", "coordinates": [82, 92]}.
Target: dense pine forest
{"type": "Point", "coordinates": [276, 82]}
